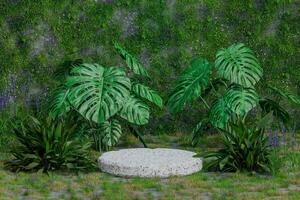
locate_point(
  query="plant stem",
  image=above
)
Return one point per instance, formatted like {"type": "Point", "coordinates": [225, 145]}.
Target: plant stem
{"type": "Point", "coordinates": [205, 103]}
{"type": "Point", "coordinates": [137, 135]}
{"type": "Point", "coordinates": [213, 87]}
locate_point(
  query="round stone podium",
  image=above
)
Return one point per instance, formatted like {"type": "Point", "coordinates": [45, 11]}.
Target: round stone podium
{"type": "Point", "coordinates": [144, 162]}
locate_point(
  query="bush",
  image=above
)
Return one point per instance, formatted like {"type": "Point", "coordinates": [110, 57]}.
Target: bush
{"type": "Point", "coordinates": [106, 96]}
{"type": "Point", "coordinates": [244, 149]}
{"type": "Point", "coordinates": [48, 146]}
{"type": "Point", "coordinates": [231, 85]}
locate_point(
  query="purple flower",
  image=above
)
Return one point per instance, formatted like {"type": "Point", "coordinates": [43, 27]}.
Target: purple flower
{"type": "Point", "coordinates": [274, 139]}
{"type": "Point", "coordinates": [12, 86]}
{"type": "Point", "coordinates": [4, 100]}
{"type": "Point", "coordinates": [282, 128]}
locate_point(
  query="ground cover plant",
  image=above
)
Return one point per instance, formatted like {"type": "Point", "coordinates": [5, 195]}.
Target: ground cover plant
{"type": "Point", "coordinates": [202, 185]}
{"type": "Point", "coordinates": [47, 146]}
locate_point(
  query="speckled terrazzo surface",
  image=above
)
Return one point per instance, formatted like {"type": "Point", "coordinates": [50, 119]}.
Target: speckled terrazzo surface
{"type": "Point", "coordinates": [143, 162]}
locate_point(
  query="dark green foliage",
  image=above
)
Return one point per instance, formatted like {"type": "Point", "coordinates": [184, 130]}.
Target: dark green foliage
{"type": "Point", "coordinates": [147, 93]}
{"type": "Point", "coordinates": [96, 92]}
{"type": "Point", "coordinates": [48, 145]}
{"type": "Point", "coordinates": [64, 69]}
{"type": "Point", "coordinates": [103, 94]}
{"type": "Point", "coordinates": [6, 138]}
{"type": "Point", "coordinates": [285, 94]}
{"type": "Point", "coordinates": [59, 101]}
{"type": "Point", "coordinates": [270, 106]}
{"type": "Point", "coordinates": [132, 63]}
{"type": "Point", "coordinates": [215, 85]}
{"type": "Point", "coordinates": [106, 134]}
{"type": "Point", "coordinates": [241, 99]}
{"type": "Point", "coordinates": [220, 113]}
{"type": "Point", "coordinates": [199, 130]}
{"type": "Point", "coordinates": [238, 64]}
{"type": "Point", "coordinates": [167, 34]}
{"type": "Point", "coordinates": [245, 149]}
{"type": "Point", "coordinates": [190, 85]}
{"type": "Point", "coordinates": [112, 132]}
{"type": "Point", "coordinates": [135, 111]}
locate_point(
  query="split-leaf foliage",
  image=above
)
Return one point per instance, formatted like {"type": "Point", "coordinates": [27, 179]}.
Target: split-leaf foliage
{"type": "Point", "coordinates": [237, 71]}
{"type": "Point", "coordinates": [106, 96]}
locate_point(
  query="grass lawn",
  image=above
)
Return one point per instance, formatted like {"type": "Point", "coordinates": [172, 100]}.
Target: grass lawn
{"type": "Point", "coordinates": [202, 185]}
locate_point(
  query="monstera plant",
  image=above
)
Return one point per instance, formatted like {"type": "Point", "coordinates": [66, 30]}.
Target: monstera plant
{"type": "Point", "coordinates": [105, 96]}
{"type": "Point", "coordinates": [231, 81]}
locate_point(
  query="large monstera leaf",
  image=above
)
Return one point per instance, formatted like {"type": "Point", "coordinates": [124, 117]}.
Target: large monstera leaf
{"type": "Point", "coordinates": [190, 85]}
{"type": "Point", "coordinates": [98, 93]}
{"type": "Point", "coordinates": [135, 111]}
{"type": "Point", "coordinates": [59, 103]}
{"type": "Point", "coordinates": [241, 100]}
{"type": "Point", "coordinates": [285, 94]}
{"type": "Point", "coordinates": [147, 93]}
{"type": "Point", "coordinates": [220, 113]}
{"type": "Point", "coordinates": [112, 132]}
{"type": "Point", "coordinates": [132, 63]}
{"type": "Point", "coordinates": [268, 105]}
{"type": "Point", "coordinates": [238, 64]}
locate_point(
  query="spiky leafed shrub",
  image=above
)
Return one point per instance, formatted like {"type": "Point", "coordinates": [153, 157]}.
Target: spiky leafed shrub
{"type": "Point", "coordinates": [245, 149]}
{"type": "Point", "coordinates": [238, 71]}
{"type": "Point", "coordinates": [48, 145]}
{"type": "Point", "coordinates": [105, 96]}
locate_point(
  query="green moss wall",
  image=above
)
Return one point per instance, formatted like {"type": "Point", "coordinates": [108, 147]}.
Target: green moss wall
{"type": "Point", "coordinates": [39, 35]}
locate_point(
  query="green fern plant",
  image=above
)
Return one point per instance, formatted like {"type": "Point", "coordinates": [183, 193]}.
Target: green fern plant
{"type": "Point", "coordinates": [105, 96]}
{"type": "Point", "coordinates": [238, 71]}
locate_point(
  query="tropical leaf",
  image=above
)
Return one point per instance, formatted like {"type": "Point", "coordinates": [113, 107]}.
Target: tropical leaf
{"type": "Point", "coordinates": [197, 128]}
{"type": "Point", "coordinates": [219, 113]}
{"type": "Point", "coordinates": [147, 93]}
{"type": "Point", "coordinates": [96, 92]}
{"type": "Point", "coordinates": [190, 85]}
{"type": "Point", "coordinates": [268, 105]}
{"type": "Point", "coordinates": [285, 94]}
{"type": "Point", "coordinates": [59, 103]}
{"type": "Point", "coordinates": [238, 64]}
{"type": "Point", "coordinates": [132, 63]}
{"type": "Point", "coordinates": [241, 100]}
{"type": "Point", "coordinates": [112, 132]}
{"type": "Point", "coordinates": [135, 111]}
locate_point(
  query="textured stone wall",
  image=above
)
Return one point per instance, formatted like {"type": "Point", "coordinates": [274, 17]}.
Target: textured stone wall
{"type": "Point", "coordinates": [38, 35]}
